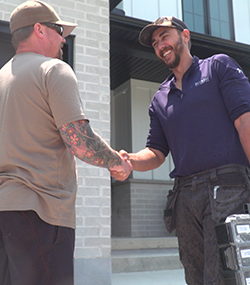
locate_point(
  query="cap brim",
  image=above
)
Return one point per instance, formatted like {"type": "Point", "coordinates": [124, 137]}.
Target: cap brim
{"type": "Point", "coordinates": [146, 35]}
{"type": "Point", "coordinates": [67, 27]}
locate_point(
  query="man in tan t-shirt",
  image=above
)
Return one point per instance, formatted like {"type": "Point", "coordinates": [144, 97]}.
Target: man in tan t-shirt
{"type": "Point", "coordinates": [42, 129]}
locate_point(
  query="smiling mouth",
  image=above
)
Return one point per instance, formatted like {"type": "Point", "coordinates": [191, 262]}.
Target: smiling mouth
{"type": "Point", "coordinates": [166, 53]}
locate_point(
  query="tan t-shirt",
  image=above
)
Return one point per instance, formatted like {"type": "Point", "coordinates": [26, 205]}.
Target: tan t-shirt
{"type": "Point", "coordinates": [37, 171]}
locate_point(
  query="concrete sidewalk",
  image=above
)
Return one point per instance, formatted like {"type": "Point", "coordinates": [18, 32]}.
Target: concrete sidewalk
{"type": "Point", "coordinates": [164, 277]}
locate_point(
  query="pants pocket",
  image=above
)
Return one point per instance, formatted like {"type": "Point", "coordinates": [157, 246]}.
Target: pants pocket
{"type": "Point", "coordinates": [169, 212]}
{"type": "Point", "coordinates": [227, 200]}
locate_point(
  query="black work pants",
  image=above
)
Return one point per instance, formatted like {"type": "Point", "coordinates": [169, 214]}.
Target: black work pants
{"type": "Point", "coordinates": [203, 201]}
{"type": "Point", "coordinates": [33, 252]}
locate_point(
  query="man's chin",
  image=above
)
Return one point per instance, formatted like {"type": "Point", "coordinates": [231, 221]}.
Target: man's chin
{"type": "Point", "coordinates": [168, 64]}
{"type": "Point", "coordinates": [172, 64]}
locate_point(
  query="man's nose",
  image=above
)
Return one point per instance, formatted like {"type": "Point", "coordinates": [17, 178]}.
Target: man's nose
{"type": "Point", "coordinates": [161, 45]}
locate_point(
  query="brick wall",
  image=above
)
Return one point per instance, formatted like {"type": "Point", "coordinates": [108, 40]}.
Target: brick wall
{"type": "Point", "coordinates": [92, 70]}
{"type": "Point", "coordinates": [91, 64]}
{"type": "Point", "coordinates": [137, 208]}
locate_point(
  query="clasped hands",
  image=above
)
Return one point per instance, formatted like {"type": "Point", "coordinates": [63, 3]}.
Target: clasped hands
{"type": "Point", "coordinates": [123, 171]}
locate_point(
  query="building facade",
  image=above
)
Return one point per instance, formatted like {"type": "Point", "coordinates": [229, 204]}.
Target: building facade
{"type": "Point", "coordinates": [88, 53]}
{"type": "Point", "coordinates": [117, 79]}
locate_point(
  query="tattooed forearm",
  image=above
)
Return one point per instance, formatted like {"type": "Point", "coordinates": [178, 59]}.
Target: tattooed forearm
{"type": "Point", "coordinates": [88, 146]}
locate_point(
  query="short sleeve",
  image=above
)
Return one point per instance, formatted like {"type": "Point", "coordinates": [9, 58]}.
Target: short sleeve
{"type": "Point", "coordinates": [63, 94]}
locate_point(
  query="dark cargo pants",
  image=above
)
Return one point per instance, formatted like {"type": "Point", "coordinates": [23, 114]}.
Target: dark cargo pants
{"type": "Point", "coordinates": [204, 200]}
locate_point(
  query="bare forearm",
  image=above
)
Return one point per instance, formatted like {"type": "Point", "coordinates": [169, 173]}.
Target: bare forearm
{"type": "Point", "coordinates": [146, 159]}
{"type": "Point", "coordinates": [242, 125]}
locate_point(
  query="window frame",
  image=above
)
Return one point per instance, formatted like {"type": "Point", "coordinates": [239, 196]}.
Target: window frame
{"type": "Point", "coordinates": [207, 18]}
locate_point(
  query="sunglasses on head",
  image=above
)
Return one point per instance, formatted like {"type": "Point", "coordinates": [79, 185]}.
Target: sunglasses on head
{"type": "Point", "coordinates": [56, 27]}
{"type": "Point", "coordinates": [161, 20]}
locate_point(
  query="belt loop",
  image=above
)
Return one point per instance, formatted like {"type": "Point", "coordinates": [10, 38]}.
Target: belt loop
{"type": "Point", "coordinates": [194, 183]}
{"type": "Point", "coordinates": [213, 175]}
{"type": "Point", "coordinates": [176, 183]}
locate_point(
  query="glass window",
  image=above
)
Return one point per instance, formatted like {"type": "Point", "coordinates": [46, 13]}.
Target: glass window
{"type": "Point", "coordinates": [220, 18]}
{"type": "Point", "coordinates": [212, 17]}
{"type": "Point", "coordinates": [198, 7]}
{"type": "Point", "coordinates": [188, 6]}
{"type": "Point", "coordinates": [193, 11]}
{"type": "Point", "coordinates": [199, 24]}
{"type": "Point", "coordinates": [148, 10]}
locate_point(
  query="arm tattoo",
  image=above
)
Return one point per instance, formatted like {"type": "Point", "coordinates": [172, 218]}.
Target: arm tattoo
{"type": "Point", "coordinates": [85, 144]}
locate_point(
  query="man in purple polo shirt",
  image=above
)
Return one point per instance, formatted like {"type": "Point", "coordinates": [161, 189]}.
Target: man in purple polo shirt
{"type": "Point", "coordinates": [201, 114]}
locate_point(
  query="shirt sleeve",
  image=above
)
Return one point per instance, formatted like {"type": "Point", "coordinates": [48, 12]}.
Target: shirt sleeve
{"type": "Point", "coordinates": [64, 99]}
{"type": "Point", "coordinates": [156, 138]}
{"type": "Point", "coordinates": [234, 85]}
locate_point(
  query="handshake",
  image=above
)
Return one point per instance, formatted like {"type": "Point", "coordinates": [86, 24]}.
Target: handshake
{"type": "Point", "coordinates": [122, 171]}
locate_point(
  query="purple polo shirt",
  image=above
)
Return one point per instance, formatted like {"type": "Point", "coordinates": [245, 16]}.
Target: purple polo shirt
{"type": "Point", "coordinates": [197, 124]}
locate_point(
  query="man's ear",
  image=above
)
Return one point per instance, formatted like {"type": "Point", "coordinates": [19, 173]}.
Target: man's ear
{"type": "Point", "coordinates": [39, 30]}
{"type": "Point", "coordinates": [186, 35]}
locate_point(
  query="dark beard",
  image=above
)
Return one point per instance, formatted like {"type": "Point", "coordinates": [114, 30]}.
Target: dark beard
{"type": "Point", "coordinates": [175, 63]}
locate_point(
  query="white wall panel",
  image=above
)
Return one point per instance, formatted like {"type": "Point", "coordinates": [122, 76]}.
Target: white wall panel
{"type": "Point", "coordinates": [152, 9]}
{"type": "Point", "coordinates": [241, 11]}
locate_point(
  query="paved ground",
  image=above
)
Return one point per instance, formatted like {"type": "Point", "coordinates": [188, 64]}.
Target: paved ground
{"type": "Point", "coordinates": [169, 277]}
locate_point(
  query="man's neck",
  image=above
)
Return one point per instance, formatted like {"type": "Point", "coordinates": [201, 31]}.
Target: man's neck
{"type": "Point", "coordinates": [30, 45]}
{"type": "Point", "coordinates": [180, 70]}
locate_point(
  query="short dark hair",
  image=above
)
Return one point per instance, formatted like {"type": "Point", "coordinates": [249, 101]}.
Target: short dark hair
{"type": "Point", "coordinates": [21, 35]}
